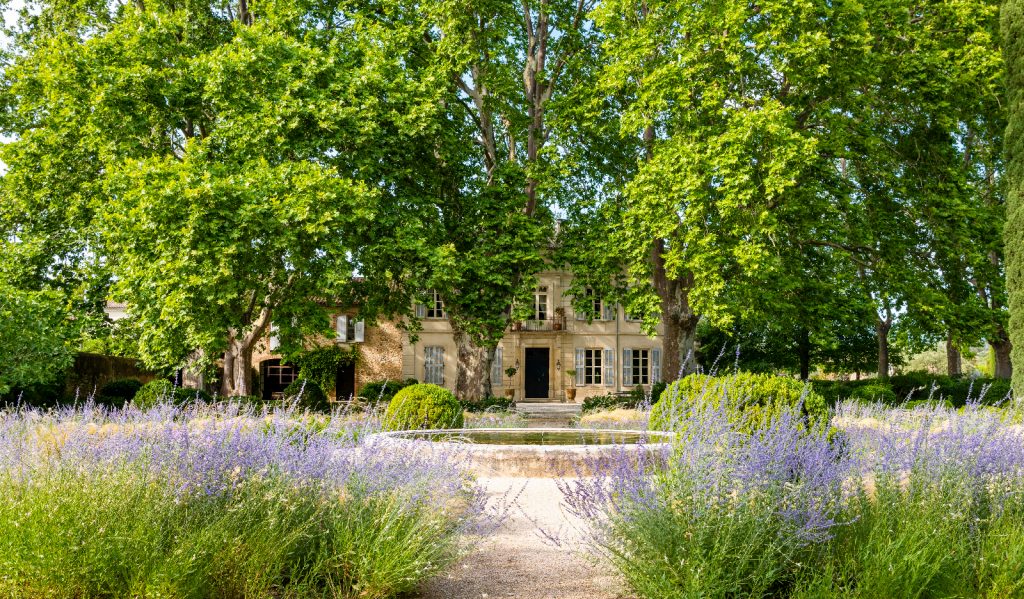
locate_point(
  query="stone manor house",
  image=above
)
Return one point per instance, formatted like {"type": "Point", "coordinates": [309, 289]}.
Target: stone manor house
{"type": "Point", "coordinates": [609, 354]}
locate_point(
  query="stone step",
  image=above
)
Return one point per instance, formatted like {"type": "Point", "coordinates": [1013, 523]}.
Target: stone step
{"type": "Point", "coordinates": [548, 414]}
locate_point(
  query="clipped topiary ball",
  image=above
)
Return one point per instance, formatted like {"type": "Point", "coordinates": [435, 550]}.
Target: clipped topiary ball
{"type": "Point", "coordinates": [122, 389]}
{"type": "Point", "coordinates": [163, 391]}
{"type": "Point", "coordinates": [423, 406]}
{"type": "Point", "coordinates": [154, 392]}
{"type": "Point", "coordinates": [307, 395]}
{"type": "Point", "coordinates": [754, 399]}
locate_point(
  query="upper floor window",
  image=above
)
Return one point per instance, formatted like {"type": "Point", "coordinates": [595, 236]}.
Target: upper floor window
{"type": "Point", "coordinates": [540, 304]}
{"type": "Point", "coordinates": [598, 307]}
{"type": "Point", "coordinates": [434, 308]}
{"type": "Point", "coordinates": [349, 330]}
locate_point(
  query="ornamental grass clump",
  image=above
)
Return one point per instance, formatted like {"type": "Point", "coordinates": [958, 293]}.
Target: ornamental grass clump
{"type": "Point", "coordinates": [218, 501]}
{"type": "Point", "coordinates": [923, 502]}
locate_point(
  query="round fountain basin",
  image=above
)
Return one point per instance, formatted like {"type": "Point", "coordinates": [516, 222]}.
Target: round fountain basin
{"type": "Point", "coordinates": [551, 452]}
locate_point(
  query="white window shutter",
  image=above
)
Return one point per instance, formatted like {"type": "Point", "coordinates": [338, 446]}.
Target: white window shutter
{"type": "Point", "coordinates": [421, 310]}
{"type": "Point", "coordinates": [275, 342]}
{"type": "Point", "coordinates": [609, 367]}
{"type": "Point", "coordinates": [580, 366]}
{"type": "Point", "coordinates": [655, 365]}
{"type": "Point", "coordinates": [341, 327]}
{"type": "Point", "coordinates": [360, 333]}
{"type": "Point", "coordinates": [440, 365]}
{"type": "Point", "coordinates": [608, 311]}
{"type": "Point", "coordinates": [496, 369]}
{"type": "Point", "coordinates": [627, 367]}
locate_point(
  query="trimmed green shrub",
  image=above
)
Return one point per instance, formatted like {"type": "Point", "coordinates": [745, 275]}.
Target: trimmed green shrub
{"type": "Point", "coordinates": [43, 395]}
{"type": "Point", "coordinates": [382, 391]}
{"type": "Point", "coordinates": [308, 395]}
{"type": "Point", "coordinates": [877, 392]}
{"type": "Point", "coordinates": [153, 393]}
{"type": "Point", "coordinates": [123, 389]}
{"type": "Point", "coordinates": [634, 399]}
{"type": "Point", "coordinates": [423, 406]}
{"type": "Point", "coordinates": [755, 398]}
{"type": "Point", "coordinates": [161, 390]}
{"type": "Point", "coordinates": [487, 403]}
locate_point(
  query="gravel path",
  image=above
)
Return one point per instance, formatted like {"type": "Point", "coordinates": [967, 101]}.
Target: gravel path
{"type": "Point", "coordinates": [516, 562]}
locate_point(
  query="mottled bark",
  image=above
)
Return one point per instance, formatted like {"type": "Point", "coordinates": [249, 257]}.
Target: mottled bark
{"type": "Point", "coordinates": [679, 320]}
{"type": "Point", "coordinates": [472, 375]}
{"type": "Point", "coordinates": [882, 327]}
{"type": "Point", "coordinates": [954, 362]}
{"type": "Point", "coordinates": [1002, 348]}
{"type": "Point", "coordinates": [237, 378]}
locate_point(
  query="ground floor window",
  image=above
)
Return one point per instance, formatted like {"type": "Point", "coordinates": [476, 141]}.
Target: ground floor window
{"type": "Point", "coordinates": [433, 365]}
{"type": "Point", "coordinates": [591, 367]}
{"type": "Point", "coordinates": [277, 377]}
{"type": "Point", "coordinates": [641, 367]}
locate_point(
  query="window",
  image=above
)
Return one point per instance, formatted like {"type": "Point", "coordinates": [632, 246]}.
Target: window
{"type": "Point", "coordinates": [349, 329]}
{"type": "Point", "coordinates": [281, 376]}
{"type": "Point", "coordinates": [435, 306]}
{"type": "Point", "coordinates": [641, 366]}
{"type": "Point", "coordinates": [632, 317]}
{"type": "Point", "coordinates": [433, 365]}
{"type": "Point", "coordinates": [591, 367]}
{"type": "Point", "coordinates": [591, 303]}
{"type": "Point", "coordinates": [540, 304]}
{"type": "Point", "coordinates": [595, 366]}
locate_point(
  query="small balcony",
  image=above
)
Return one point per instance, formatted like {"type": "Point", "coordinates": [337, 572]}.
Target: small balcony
{"type": "Point", "coordinates": [539, 325]}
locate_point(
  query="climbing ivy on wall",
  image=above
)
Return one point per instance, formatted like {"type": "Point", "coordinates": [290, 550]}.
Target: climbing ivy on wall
{"type": "Point", "coordinates": [320, 365]}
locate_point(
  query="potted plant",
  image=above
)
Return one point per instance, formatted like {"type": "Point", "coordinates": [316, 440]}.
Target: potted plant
{"type": "Point", "coordinates": [570, 393]}
{"type": "Point", "coordinates": [559, 318]}
{"type": "Point", "coordinates": [510, 391]}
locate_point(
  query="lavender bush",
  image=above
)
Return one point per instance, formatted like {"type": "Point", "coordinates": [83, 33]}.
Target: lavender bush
{"type": "Point", "coordinates": [220, 501]}
{"type": "Point", "coordinates": [927, 502]}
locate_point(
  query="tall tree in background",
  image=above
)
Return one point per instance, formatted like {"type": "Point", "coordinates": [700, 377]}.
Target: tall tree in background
{"type": "Point", "coordinates": [1012, 24]}
{"type": "Point", "coordinates": [492, 223]}
{"type": "Point", "coordinates": [219, 211]}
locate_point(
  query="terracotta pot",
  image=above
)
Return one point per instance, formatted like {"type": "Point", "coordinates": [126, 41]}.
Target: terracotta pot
{"type": "Point", "coordinates": [570, 394]}
{"type": "Point", "coordinates": [510, 393]}
{"type": "Point", "coordinates": [557, 326]}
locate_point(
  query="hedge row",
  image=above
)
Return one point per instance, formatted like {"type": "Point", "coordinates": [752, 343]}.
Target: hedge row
{"type": "Point", "coordinates": [916, 386]}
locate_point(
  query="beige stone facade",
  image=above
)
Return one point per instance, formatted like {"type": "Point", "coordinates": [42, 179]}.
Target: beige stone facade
{"type": "Point", "coordinates": [609, 353]}
{"type": "Point", "coordinates": [598, 350]}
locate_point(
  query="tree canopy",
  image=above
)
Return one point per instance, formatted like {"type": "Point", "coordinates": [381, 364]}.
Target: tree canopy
{"type": "Point", "coordinates": [812, 174]}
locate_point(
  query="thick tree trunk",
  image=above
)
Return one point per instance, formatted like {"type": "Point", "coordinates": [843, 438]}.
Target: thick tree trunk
{"type": "Point", "coordinates": [679, 320]}
{"type": "Point", "coordinates": [237, 369]}
{"type": "Point", "coordinates": [804, 344]}
{"type": "Point", "coordinates": [954, 362]}
{"type": "Point", "coordinates": [237, 378]}
{"type": "Point", "coordinates": [1002, 348]}
{"type": "Point", "coordinates": [882, 328]}
{"type": "Point", "coordinates": [472, 374]}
